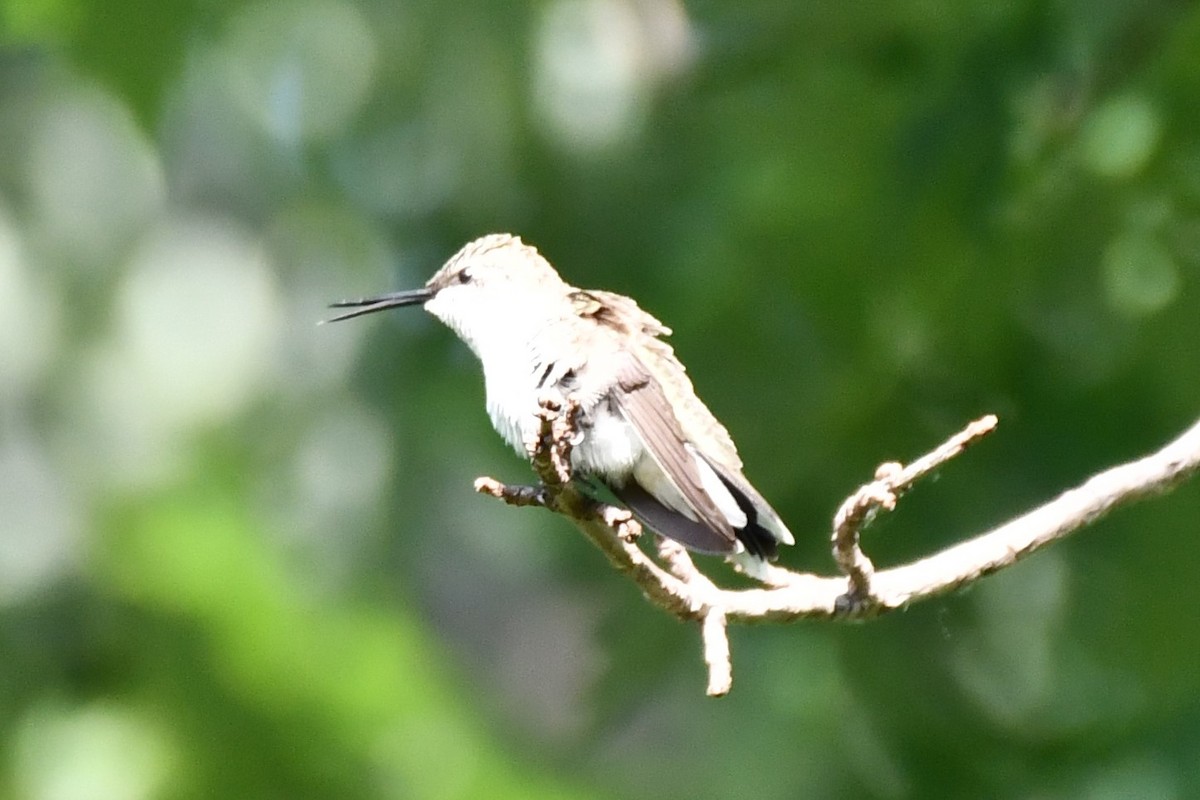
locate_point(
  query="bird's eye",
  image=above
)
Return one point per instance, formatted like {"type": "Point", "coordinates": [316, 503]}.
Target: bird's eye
{"type": "Point", "coordinates": [464, 275]}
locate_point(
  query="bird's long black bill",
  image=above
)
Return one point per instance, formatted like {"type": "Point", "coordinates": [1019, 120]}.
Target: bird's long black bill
{"type": "Point", "coordinates": [369, 305]}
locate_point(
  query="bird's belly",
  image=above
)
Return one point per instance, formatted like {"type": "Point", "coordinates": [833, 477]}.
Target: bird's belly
{"type": "Point", "coordinates": [612, 451]}
{"type": "Point", "coordinates": [609, 448]}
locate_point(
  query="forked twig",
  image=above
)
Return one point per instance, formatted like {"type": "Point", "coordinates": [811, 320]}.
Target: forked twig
{"type": "Point", "coordinates": [680, 588]}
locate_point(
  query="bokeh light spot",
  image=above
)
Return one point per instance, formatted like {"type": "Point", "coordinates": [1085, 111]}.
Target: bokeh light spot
{"type": "Point", "coordinates": [1140, 275]}
{"type": "Point", "coordinates": [199, 314]}
{"type": "Point", "coordinates": [301, 70]}
{"type": "Point", "coordinates": [98, 752]}
{"type": "Point", "coordinates": [94, 179]}
{"type": "Point", "coordinates": [1120, 136]}
{"type": "Point", "coordinates": [39, 521]}
{"type": "Point", "coordinates": [30, 317]}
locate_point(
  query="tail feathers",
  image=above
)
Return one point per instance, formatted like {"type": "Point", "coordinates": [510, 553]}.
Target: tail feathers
{"type": "Point", "coordinates": [688, 532]}
{"type": "Point", "coordinates": [753, 540]}
{"type": "Point", "coordinates": [759, 541]}
{"type": "Point", "coordinates": [759, 514]}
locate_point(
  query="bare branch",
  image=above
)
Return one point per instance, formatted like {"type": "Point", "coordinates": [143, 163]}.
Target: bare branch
{"type": "Point", "coordinates": [683, 590]}
{"type": "Point", "coordinates": [713, 622]}
{"type": "Point", "coordinates": [513, 495]}
{"type": "Point", "coordinates": [716, 653]}
{"type": "Point", "coordinates": [891, 480]}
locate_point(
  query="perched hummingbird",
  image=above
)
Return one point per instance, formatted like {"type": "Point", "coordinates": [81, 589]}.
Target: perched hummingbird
{"type": "Point", "coordinates": [643, 433]}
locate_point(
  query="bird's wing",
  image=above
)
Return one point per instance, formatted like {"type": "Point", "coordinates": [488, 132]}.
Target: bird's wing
{"type": "Point", "coordinates": [642, 402]}
{"type": "Point", "coordinates": [640, 330]}
{"type": "Point", "coordinates": [689, 421]}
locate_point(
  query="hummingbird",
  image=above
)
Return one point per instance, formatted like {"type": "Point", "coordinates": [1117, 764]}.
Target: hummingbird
{"type": "Point", "coordinates": [642, 432]}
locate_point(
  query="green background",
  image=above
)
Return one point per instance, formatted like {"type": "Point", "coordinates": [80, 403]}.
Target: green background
{"type": "Point", "coordinates": [240, 555]}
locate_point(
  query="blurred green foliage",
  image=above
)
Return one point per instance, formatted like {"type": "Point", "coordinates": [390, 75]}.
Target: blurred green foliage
{"type": "Point", "coordinates": [240, 556]}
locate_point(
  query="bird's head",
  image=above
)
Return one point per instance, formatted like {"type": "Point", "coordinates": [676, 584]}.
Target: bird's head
{"type": "Point", "coordinates": [487, 288]}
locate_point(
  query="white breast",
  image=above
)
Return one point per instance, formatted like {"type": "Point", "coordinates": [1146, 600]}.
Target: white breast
{"type": "Point", "coordinates": [608, 447]}
{"type": "Point", "coordinates": [512, 401]}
